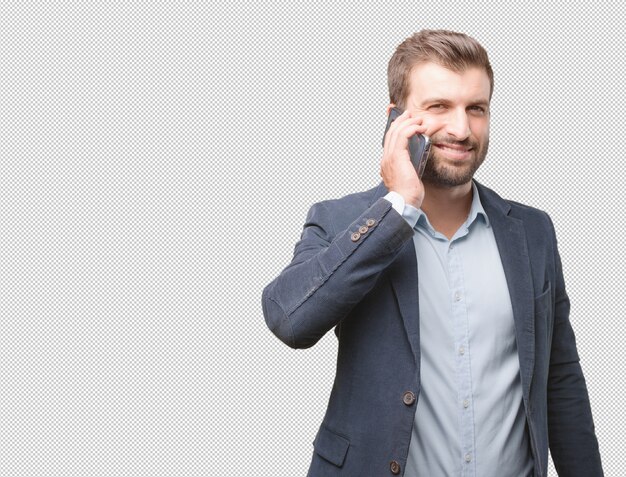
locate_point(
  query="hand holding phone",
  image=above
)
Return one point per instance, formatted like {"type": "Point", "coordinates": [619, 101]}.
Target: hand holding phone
{"type": "Point", "coordinates": [404, 155]}
{"type": "Point", "coordinates": [419, 144]}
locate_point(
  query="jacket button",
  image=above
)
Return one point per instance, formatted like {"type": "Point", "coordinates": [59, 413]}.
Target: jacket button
{"type": "Point", "coordinates": [370, 222]}
{"type": "Point", "coordinates": [395, 467]}
{"type": "Point", "coordinates": [355, 236]}
{"type": "Point", "coordinates": [408, 398]}
{"type": "Point", "coordinates": [363, 229]}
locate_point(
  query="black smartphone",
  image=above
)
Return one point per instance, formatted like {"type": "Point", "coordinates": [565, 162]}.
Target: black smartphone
{"type": "Point", "coordinates": [419, 145]}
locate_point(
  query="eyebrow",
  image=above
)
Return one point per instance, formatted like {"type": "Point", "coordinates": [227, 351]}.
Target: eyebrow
{"type": "Point", "coordinates": [478, 102]}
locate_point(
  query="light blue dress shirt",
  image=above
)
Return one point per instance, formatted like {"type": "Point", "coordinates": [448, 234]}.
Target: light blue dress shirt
{"type": "Point", "coordinates": [470, 417]}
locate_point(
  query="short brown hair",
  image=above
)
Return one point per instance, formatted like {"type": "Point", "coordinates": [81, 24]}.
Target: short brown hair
{"type": "Point", "coordinates": [452, 50]}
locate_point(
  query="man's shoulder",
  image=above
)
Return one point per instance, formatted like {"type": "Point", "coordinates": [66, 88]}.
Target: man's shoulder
{"type": "Point", "coordinates": [356, 199]}
{"type": "Point", "coordinates": [342, 211]}
{"type": "Point", "coordinates": [530, 215]}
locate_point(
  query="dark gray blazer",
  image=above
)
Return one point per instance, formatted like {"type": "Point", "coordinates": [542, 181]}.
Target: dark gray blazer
{"type": "Point", "coordinates": [365, 286]}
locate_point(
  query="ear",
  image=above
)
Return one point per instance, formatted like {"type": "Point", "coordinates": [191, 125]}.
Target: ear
{"type": "Point", "coordinates": [389, 106]}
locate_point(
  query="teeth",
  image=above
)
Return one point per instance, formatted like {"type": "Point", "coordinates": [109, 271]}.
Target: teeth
{"type": "Point", "coordinates": [453, 149]}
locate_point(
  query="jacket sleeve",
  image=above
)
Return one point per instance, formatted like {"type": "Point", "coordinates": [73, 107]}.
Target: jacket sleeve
{"type": "Point", "coordinates": [331, 271]}
{"type": "Point", "coordinates": [572, 438]}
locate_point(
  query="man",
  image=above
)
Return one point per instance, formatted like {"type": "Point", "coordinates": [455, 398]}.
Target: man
{"type": "Point", "coordinates": [470, 369]}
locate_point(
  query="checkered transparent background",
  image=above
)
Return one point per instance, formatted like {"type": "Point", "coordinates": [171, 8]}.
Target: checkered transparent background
{"type": "Point", "coordinates": [158, 160]}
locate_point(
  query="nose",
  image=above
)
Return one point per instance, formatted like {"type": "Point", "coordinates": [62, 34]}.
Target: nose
{"type": "Point", "coordinates": [458, 125]}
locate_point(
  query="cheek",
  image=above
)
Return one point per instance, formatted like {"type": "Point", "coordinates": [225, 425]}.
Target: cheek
{"type": "Point", "coordinates": [480, 129]}
{"type": "Point", "coordinates": [433, 123]}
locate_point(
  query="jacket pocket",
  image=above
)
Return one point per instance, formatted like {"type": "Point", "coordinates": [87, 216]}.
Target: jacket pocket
{"type": "Point", "coordinates": [331, 446]}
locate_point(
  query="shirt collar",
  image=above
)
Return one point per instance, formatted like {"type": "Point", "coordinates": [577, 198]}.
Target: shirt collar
{"type": "Point", "coordinates": [476, 210]}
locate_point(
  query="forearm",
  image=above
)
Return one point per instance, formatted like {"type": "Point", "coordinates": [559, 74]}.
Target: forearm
{"type": "Point", "coordinates": [327, 278]}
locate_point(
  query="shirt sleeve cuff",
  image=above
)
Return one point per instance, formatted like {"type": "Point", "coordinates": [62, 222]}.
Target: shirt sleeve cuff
{"type": "Point", "coordinates": [409, 213]}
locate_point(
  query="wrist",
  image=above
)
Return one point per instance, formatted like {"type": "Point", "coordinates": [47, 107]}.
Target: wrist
{"type": "Point", "coordinates": [410, 198]}
{"type": "Point", "coordinates": [408, 212]}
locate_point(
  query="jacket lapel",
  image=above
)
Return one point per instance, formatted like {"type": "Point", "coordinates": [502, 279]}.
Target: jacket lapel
{"type": "Point", "coordinates": [510, 237]}
{"type": "Point", "coordinates": [403, 274]}
{"type": "Point", "coordinates": [403, 277]}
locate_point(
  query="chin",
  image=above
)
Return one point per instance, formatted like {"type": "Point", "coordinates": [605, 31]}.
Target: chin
{"type": "Point", "coordinates": [449, 177]}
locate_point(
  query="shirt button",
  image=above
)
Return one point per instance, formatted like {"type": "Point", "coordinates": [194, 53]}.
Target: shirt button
{"type": "Point", "coordinates": [465, 403]}
{"type": "Point", "coordinates": [468, 457]}
{"type": "Point", "coordinates": [462, 350]}
{"type": "Point", "coordinates": [457, 296]}
{"type": "Point", "coordinates": [394, 467]}
{"type": "Point", "coordinates": [408, 398]}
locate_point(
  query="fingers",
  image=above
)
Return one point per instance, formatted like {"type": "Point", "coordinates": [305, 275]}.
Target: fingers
{"type": "Point", "coordinates": [401, 129]}
{"type": "Point", "coordinates": [396, 169]}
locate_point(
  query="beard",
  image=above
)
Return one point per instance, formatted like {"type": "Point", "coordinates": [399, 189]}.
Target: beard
{"type": "Point", "coordinates": [439, 172]}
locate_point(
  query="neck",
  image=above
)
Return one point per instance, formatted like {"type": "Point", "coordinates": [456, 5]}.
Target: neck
{"type": "Point", "coordinates": [447, 207]}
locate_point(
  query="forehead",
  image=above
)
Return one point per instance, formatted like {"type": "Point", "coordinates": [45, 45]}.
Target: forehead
{"type": "Point", "coordinates": [428, 80]}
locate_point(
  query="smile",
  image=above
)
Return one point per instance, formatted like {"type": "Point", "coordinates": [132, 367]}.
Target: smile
{"type": "Point", "coordinates": [454, 151]}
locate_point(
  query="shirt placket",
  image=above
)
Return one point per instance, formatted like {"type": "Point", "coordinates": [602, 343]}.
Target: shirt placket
{"type": "Point", "coordinates": [462, 361]}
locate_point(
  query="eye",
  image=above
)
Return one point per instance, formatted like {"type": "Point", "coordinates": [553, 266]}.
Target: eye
{"type": "Point", "coordinates": [436, 107]}
{"type": "Point", "coordinates": [478, 109]}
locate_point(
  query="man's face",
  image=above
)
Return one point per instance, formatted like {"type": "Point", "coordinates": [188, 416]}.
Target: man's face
{"type": "Point", "coordinates": [455, 109]}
